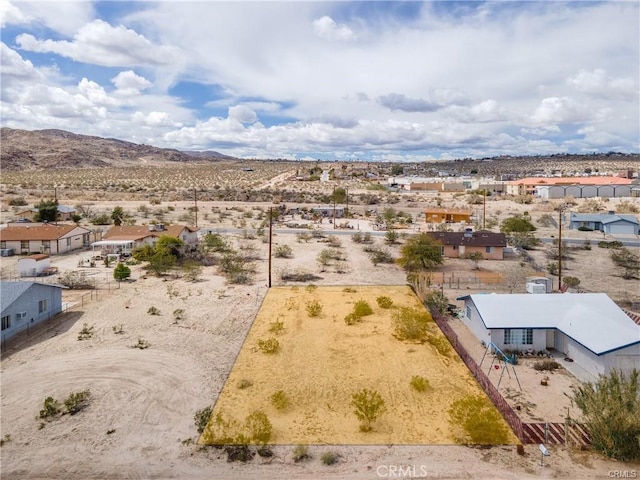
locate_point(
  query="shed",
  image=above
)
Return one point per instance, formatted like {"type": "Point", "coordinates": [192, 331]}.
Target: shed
{"type": "Point", "coordinates": [34, 265]}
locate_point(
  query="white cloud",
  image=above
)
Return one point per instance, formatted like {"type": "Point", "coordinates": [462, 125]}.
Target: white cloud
{"type": "Point", "coordinates": [242, 114]}
{"type": "Point", "coordinates": [155, 119]}
{"type": "Point", "coordinates": [597, 82]}
{"type": "Point", "coordinates": [99, 43]}
{"type": "Point", "coordinates": [128, 83]}
{"type": "Point", "coordinates": [64, 17]}
{"type": "Point", "coordinates": [326, 27]}
{"type": "Point", "coordinates": [15, 67]}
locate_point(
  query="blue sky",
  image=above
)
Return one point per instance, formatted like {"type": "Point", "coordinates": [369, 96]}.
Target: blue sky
{"type": "Point", "coordinates": [392, 81]}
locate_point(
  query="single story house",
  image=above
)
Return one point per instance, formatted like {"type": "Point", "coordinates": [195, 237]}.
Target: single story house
{"type": "Point", "coordinates": [36, 265]}
{"type": "Point", "coordinates": [605, 222]}
{"type": "Point", "coordinates": [447, 215]}
{"type": "Point", "coordinates": [458, 244]}
{"type": "Point", "coordinates": [25, 238]}
{"type": "Point", "coordinates": [64, 213]}
{"type": "Point", "coordinates": [25, 304]}
{"type": "Point", "coordinates": [587, 327]}
{"type": "Point", "coordinates": [124, 238]}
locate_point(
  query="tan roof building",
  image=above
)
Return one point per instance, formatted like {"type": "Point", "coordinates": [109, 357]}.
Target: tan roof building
{"type": "Point", "coordinates": [141, 234]}
{"type": "Point", "coordinates": [44, 238]}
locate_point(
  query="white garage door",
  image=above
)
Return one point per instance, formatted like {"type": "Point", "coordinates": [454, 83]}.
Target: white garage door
{"type": "Point", "coordinates": [620, 228]}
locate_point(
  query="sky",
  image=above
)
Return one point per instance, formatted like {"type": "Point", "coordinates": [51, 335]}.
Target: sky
{"type": "Point", "coordinates": [345, 80]}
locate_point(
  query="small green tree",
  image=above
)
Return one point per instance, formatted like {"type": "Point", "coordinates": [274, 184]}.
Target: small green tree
{"type": "Point", "coordinates": [368, 406]}
{"type": "Point", "coordinates": [121, 272]}
{"type": "Point", "coordinates": [420, 252]}
{"type": "Point", "coordinates": [191, 270]}
{"type": "Point", "coordinates": [611, 411]}
{"type": "Point", "coordinates": [47, 211]}
{"type": "Point", "coordinates": [118, 216]}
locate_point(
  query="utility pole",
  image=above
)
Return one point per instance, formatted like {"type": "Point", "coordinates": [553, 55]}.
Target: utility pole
{"type": "Point", "coordinates": [560, 211]}
{"type": "Point", "coordinates": [55, 201]}
{"type": "Point", "coordinates": [484, 209]}
{"type": "Point", "coordinates": [270, 242]}
{"type": "Point", "coordinates": [334, 208]}
{"type": "Point", "coordinates": [195, 203]}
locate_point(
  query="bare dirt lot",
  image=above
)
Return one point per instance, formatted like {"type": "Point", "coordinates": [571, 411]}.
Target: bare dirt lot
{"type": "Point", "coordinates": [139, 422]}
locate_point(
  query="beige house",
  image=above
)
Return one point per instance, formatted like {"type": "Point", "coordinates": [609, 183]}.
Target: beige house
{"type": "Point", "coordinates": [44, 238]}
{"type": "Point", "coordinates": [460, 244]}
{"type": "Point", "coordinates": [124, 238]}
{"type": "Point", "coordinates": [447, 215]}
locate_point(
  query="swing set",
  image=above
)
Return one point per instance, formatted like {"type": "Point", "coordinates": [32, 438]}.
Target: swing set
{"type": "Point", "coordinates": [503, 360]}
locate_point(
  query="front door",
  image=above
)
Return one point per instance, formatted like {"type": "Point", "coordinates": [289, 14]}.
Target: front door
{"type": "Point", "coordinates": [560, 343]}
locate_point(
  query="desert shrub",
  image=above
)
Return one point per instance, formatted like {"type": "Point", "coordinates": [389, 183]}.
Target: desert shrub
{"type": "Point", "coordinates": [77, 401]}
{"type": "Point", "coordinates": [411, 324]}
{"type": "Point", "coordinates": [86, 332]}
{"type": "Point", "coordinates": [418, 383]}
{"type": "Point", "coordinates": [76, 280]}
{"type": "Point", "coordinates": [349, 290]}
{"type": "Point", "coordinates": [380, 255]}
{"type": "Point", "coordinates": [552, 268]}
{"type": "Point", "coordinates": [239, 452]}
{"type": "Point", "coordinates": [314, 308]}
{"type": "Point", "coordinates": [191, 270]}
{"type": "Point", "coordinates": [436, 300]}
{"type": "Point", "coordinates": [178, 313]}
{"type": "Point", "coordinates": [142, 344]}
{"type": "Point", "coordinates": [301, 453]}
{"type": "Point", "coordinates": [276, 327]}
{"type": "Point", "coordinates": [611, 411]}
{"type": "Point", "coordinates": [330, 458]}
{"type": "Point", "coordinates": [362, 308]}
{"type": "Point", "coordinates": [265, 451]}
{"type": "Point", "coordinates": [352, 318]}
{"type": "Point", "coordinates": [17, 202]}
{"type": "Point", "coordinates": [368, 406]}
{"type": "Point", "coordinates": [303, 237]}
{"type": "Point", "coordinates": [481, 422]}
{"type": "Point", "coordinates": [242, 384]}
{"type": "Point", "coordinates": [384, 302]}
{"type": "Point", "coordinates": [270, 345]}
{"type": "Point", "coordinates": [259, 427]}
{"type": "Point", "coordinates": [118, 329]}
{"type": "Point", "coordinates": [311, 288]}
{"type": "Point", "coordinates": [102, 219]}
{"type": "Point", "coordinates": [440, 343]}
{"type": "Point", "coordinates": [283, 251]}
{"type": "Point", "coordinates": [50, 407]}
{"type": "Point", "coordinates": [280, 400]}
{"type": "Point", "coordinates": [546, 365]}
{"type": "Point", "coordinates": [153, 311]}
{"type": "Point", "coordinates": [611, 244]}
{"type": "Point", "coordinates": [572, 282]}
{"type": "Point", "coordinates": [201, 418]}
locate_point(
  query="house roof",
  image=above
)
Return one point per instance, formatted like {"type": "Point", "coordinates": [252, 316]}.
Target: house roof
{"type": "Point", "coordinates": [449, 210]}
{"type": "Point", "coordinates": [604, 218]}
{"type": "Point", "coordinates": [138, 232]}
{"type": "Point", "coordinates": [482, 238]}
{"type": "Point", "coordinates": [36, 256]}
{"type": "Point", "coordinates": [591, 319]}
{"type": "Point", "coordinates": [11, 291]}
{"type": "Point", "coordinates": [39, 231]}
{"type": "Point", "coordinates": [542, 181]}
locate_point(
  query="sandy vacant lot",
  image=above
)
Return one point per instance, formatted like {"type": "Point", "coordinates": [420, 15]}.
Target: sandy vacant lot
{"type": "Point", "coordinates": [147, 398]}
{"type": "Point", "coordinates": [322, 362]}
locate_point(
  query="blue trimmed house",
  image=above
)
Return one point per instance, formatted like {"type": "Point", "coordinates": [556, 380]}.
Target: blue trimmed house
{"type": "Point", "coordinates": [605, 222]}
{"type": "Point", "coordinates": [588, 327]}
{"type": "Point", "coordinates": [25, 304]}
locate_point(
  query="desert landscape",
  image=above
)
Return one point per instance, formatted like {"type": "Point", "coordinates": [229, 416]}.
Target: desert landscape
{"type": "Point", "coordinates": [149, 373]}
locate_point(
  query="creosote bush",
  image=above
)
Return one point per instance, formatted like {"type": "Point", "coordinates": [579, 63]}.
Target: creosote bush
{"type": "Point", "coordinates": [270, 345]}
{"type": "Point", "coordinates": [259, 427]}
{"type": "Point", "coordinates": [314, 308]}
{"type": "Point", "coordinates": [384, 302]}
{"type": "Point", "coordinates": [301, 453]}
{"type": "Point", "coordinates": [242, 384]}
{"type": "Point", "coordinates": [330, 458]}
{"type": "Point", "coordinates": [77, 401]}
{"type": "Point", "coordinates": [276, 327]}
{"type": "Point", "coordinates": [201, 418]}
{"type": "Point", "coordinates": [480, 421]}
{"type": "Point", "coordinates": [546, 365]}
{"type": "Point", "coordinates": [362, 308]}
{"type": "Point", "coordinates": [280, 400]}
{"type": "Point", "coordinates": [368, 406]}
{"type": "Point", "coordinates": [86, 332]}
{"type": "Point", "coordinates": [153, 311]}
{"type": "Point", "coordinates": [418, 383]}
{"type": "Point", "coordinates": [411, 324]}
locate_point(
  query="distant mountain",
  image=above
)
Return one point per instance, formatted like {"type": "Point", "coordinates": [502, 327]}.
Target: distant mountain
{"type": "Point", "coordinates": [42, 149]}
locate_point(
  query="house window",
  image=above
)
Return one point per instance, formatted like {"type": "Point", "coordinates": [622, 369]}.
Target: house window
{"type": "Point", "coordinates": [69, 242]}
{"type": "Point", "coordinates": [6, 322]}
{"type": "Point", "coordinates": [46, 244]}
{"type": "Point", "coordinates": [518, 336]}
{"type": "Point", "coordinates": [24, 245]}
{"type": "Point", "coordinates": [468, 311]}
{"type": "Point", "coordinates": [42, 306]}
{"type": "Point", "coordinates": [455, 247]}
{"type": "Point", "coordinates": [3, 244]}
{"type": "Point", "coordinates": [21, 315]}
{"type": "Point", "coordinates": [488, 249]}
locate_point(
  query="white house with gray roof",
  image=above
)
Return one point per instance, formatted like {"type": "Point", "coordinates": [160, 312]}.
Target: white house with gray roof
{"type": "Point", "coordinates": [25, 304]}
{"type": "Point", "coordinates": [605, 222]}
{"type": "Point", "coordinates": [589, 328]}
